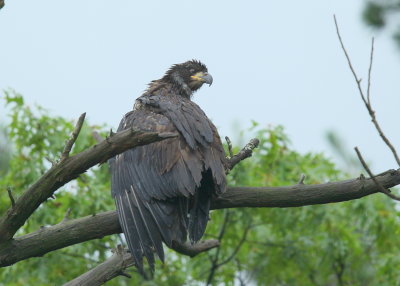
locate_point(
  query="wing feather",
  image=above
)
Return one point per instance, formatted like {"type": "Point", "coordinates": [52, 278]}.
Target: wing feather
{"type": "Point", "coordinates": [163, 190]}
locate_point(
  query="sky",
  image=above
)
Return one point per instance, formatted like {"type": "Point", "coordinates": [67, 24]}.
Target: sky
{"type": "Point", "coordinates": [275, 62]}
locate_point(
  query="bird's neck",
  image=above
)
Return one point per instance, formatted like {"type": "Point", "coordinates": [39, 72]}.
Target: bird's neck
{"type": "Point", "coordinates": [170, 85]}
{"type": "Point", "coordinates": [180, 87]}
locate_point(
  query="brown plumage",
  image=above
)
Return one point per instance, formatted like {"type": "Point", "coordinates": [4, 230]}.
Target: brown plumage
{"type": "Point", "coordinates": [163, 190]}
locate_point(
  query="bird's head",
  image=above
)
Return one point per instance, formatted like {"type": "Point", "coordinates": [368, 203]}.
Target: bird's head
{"type": "Point", "coordinates": [188, 76]}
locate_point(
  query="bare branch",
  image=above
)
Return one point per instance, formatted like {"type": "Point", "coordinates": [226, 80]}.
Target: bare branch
{"type": "Point", "coordinates": [367, 100]}
{"type": "Point", "coordinates": [74, 136]}
{"type": "Point", "coordinates": [246, 152]}
{"type": "Point", "coordinates": [51, 161]}
{"type": "Point", "coordinates": [111, 268]}
{"type": "Point", "coordinates": [358, 81]}
{"type": "Point", "coordinates": [97, 226]}
{"type": "Point", "coordinates": [302, 178]}
{"type": "Point", "coordinates": [58, 236]}
{"type": "Point", "coordinates": [67, 170]}
{"type": "Point", "coordinates": [381, 188]}
{"type": "Point", "coordinates": [214, 260]}
{"type": "Point", "coordinates": [228, 141]}
{"type": "Point", "coordinates": [122, 259]}
{"type": "Point", "coordinates": [301, 195]}
{"type": "Point", "coordinates": [369, 72]}
{"type": "Point", "coordinates": [66, 216]}
{"type": "Point", "coordinates": [10, 195]}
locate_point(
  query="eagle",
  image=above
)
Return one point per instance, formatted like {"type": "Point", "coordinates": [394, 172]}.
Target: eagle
{"type": "Point", "coordinates": [163, 190]}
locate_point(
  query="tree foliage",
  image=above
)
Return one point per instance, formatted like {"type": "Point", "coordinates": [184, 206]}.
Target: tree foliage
{"type": "Point", "coordinates": [380, 14]}
{"type": "Point", "coordinates": [352, 243]}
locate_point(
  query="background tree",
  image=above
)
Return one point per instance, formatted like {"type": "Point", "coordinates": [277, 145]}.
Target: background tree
{"type": "Point", "coordinates": [352, 243]}
{"type": "Point", "coordinates": [383, 15]}
{"type": "Point", "coordinates": [4, 150]}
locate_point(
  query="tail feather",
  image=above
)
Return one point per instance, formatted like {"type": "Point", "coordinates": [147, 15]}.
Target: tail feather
{"type": "Point", "coordinates": [143, 236]}
{"type": "Point", "coordinates": [131, 233]}
{"type": "Point", "coordinates": [147, 224]}
{"type": "Point", "coordinates": [151, 229]}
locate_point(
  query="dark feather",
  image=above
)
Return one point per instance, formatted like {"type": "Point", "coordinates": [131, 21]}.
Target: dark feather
{"type": "Point", "coordinates": [163, 190]}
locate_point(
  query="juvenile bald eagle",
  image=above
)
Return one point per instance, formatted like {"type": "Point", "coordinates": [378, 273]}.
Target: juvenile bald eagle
{"type": "Point", "coordinates": [163, 190]}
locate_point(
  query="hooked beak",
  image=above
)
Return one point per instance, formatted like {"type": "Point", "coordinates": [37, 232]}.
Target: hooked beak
{"type": "Point", "coordinates": [207, 78]}
{"type": "Point", "coordinates": [203, 77]}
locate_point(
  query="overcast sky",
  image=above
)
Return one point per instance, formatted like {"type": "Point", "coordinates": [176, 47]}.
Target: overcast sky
{"type": "Point", "coordinates": [274, 62]}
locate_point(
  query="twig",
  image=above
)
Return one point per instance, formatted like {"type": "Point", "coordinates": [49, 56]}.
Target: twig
{"type": "Point", "coordinates": [367, 100]}
{"type": "Point", "coordinates": [228, 141]}
{"type": "Point", "coordinates": [240, 273]}
{"type": "Point", "coordinates": [10, 195]}
{"type": "Point", "coordinates": [127, 275]}
{"type": "Point", "coordinates": [349, 61]}
{"type": "Point", "coordinates": [214, 260]}
{"type": "Point", "coordinates": [369, 71]}
{"type": "Point", "coordinates": [381, 188]}
{"type": "Point", "coordinates": [301, 181]}
{"type": "Point", "coordinates": [51, 161]}
{"type": "Point", "coordinates": [111, 268]}
{"type": "Point", "coordinates": [246, 152]}
{"type": "Point", "coordinates": [238, 246]}
{"type": "Point", "coordinates": [66, 216]}
{"type": "Point", "coordinates": [74, 136]}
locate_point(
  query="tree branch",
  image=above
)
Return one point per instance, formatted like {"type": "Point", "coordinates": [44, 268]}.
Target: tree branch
{"type": "Point", "coordinates": [109, 269]}
{"type": "Point", "coordinates": [74, 136]}
{"type": "Point", "coordinates": [66, 233]}
{"type": "Point", "coordinates": [92, 227]}
{"type": "Point", "coordinates": [192, 250]}
{"type": "Point", "coordinates": [381, 188]}
{"type": "Point", "coordinates": [303, 195]}
{"type": "Point", "coordinates": [1, 4]}
{"type": "Point", "coordinates": [122, 259]}
{"type": "Point", "coordinates": [10, 195]}
{"type": "Point", "coordinates": [367, 100]}
{"type": "Point", "coordinates": [246, 152]}
{"type": "Point", "coordinates": [229, 143]}
{"type": "Point", "coordinates": [67, 170]}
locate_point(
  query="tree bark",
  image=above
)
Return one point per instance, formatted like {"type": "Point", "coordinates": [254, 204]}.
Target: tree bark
{"type": "Point", "coordinates": [109, 269]}
{"type": "Point", "coordinates": [122, 259]}
{"type": "Point", "coordinates": [96, 226]}
{"type": "Point", "coordinates": [303, 195]}
{"type": "Point", "coordinates": [68, 169]}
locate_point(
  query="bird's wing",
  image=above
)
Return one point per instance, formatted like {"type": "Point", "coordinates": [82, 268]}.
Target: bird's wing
{"type": "Point", "coordinates": [186, 116]}
{"type": "Point", "coordinates": [152, 184]}
{"type": "Point", "coordinates": [198, 131]}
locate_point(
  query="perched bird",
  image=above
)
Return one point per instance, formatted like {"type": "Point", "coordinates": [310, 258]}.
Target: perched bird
{"type": "Point", "coordinates": [163, 190]}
